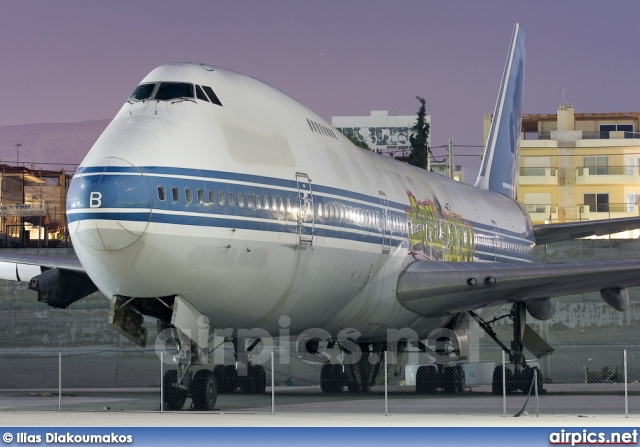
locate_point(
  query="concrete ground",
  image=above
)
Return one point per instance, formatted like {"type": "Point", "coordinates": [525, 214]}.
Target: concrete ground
{"type": "Point", "coordinates": [109, 419]}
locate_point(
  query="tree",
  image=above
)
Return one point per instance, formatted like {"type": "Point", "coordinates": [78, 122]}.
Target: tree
{"type": "Point", "coordinates": [357, 142]}
{"type": "Point", "coordinates": [420, 152]}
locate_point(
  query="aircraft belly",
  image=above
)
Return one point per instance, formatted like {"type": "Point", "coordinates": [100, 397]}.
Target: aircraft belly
{"type": "Point", "coordinates": [240, 278]}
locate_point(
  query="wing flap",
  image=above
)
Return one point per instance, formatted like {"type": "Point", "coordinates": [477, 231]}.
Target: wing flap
{"type": "Point", "coordinates": [441, 288]}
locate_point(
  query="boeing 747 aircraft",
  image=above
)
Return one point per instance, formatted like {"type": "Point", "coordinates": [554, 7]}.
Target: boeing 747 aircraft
{"type": "Point", "coordinates": [213, 200]}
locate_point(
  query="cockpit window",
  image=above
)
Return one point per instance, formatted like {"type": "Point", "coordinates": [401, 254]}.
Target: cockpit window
{"type": "Point", "coordinates": [200, 94]}
{"type": "Point", "coordinates": [174, 90]}
{"type": "Point", "coordinates": [142, 92]}
{"type": "Point", "coordinates": [212, 96]}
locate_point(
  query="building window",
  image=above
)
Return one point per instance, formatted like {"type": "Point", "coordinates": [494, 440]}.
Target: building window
{"type": "Point", "coordinates": [597, 202]}
{"type": "Point", "coordinates": [596, 165]}
{"type": "Point", "coordinates": [626, 128]}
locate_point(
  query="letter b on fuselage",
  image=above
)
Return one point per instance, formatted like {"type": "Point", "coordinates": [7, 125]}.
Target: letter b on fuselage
{"type": "Point", "coordinates": [95, 199]}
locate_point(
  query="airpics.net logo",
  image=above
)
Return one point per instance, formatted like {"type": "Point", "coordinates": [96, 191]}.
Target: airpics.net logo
{"type": "Point", "coordinates": [587, 437]}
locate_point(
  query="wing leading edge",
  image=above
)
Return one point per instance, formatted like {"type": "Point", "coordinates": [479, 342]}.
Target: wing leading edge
{"type": "Point", "coordinates": [441, 288]}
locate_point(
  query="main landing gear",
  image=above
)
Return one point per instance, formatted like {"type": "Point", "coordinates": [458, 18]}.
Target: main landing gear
{"type": "Point", "coordinates": [358, 372]}
{"type": "Point", "coordinates": [520, 378]}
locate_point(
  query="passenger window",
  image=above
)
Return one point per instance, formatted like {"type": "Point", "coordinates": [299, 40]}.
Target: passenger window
{"type": "Point", "coordinates": [281, 206]}
{"type": "Point", "coordinates": [319, 209]}
{"type": "Point", "coordinates": [200, 94]}
{"type": "Point", "coordinates": [162, 194]}
{"type": "Point", "coordinates": [289, 206]}
{"type": "Point", "coordinates": [232, 199]}
{"type": "Point", "coordinates": [250, 201]}
{"type": "Point", "coordinates": [240, 200]}
{"type": "Point", "coordinates": [200, 196]}
{"type": "Point", "coordinates": [175, 193]}
{"type": "Point", "coordinates": [266, 202]}
{"type": "Point", "coordinates": [212, 197]}
{"type": "Point", "coordinates": [222, 198]}
{"type": "Point", "coordinates": [258, 202]}
{"type": "Point", "coordinates": [212, 96]}
{"type": "Point", "coordinates": [188, 195]}
{"type": "Point", "coordinates": [274, 205]}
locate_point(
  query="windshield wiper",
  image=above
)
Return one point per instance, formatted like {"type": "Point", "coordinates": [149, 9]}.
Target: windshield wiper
{"type": "Point", "coordinates": [184, 98]}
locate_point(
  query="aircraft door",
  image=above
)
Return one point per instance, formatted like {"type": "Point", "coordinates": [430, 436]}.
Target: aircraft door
{"type": "Point", "coordinates": [306, 216]}
{"type": "Point", "coordinates": [386, 223]}
{"type": "Point", "coordinates": [496, 241]}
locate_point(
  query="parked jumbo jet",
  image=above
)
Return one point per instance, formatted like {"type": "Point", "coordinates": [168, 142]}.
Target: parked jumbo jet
{"type": "Point", "coordinates": [215, 200]}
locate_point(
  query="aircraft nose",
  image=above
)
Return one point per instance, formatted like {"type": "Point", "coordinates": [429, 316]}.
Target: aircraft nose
{"type": "Point", "coordinates": [109, 205]}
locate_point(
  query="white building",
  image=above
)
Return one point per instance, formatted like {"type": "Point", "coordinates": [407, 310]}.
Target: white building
{"type": "Point", "coordinates": [384, 133]}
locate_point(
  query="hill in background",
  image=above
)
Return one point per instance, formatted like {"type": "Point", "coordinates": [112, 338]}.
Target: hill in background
{"type": "Point", "coordinates": [57, 143]}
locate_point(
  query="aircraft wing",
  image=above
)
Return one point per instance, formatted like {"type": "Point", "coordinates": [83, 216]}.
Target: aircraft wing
{"type": "Point", "coordinates": [439, 288]}
{"type": "Point", "coordinates": [546, 234]}
{"type": "Point", "coordinates": [58, 281]}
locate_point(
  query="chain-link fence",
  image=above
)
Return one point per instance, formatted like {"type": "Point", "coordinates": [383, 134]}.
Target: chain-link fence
{"type": "Point", "coordinates": [573, 381]}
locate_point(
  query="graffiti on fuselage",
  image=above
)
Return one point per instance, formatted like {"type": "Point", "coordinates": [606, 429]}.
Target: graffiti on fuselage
{"type": "Point", "coordinates": [438, 234]}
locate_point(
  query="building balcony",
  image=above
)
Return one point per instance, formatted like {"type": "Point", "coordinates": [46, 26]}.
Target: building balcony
{"type": "Point", "coordinates": [603, 211]}
{"type": "Point", "coordinates": [607, 175]}
{"type": "Point", "coordinates": [542, 212]}
{"type": "Point", "coordinates": [538, 176]}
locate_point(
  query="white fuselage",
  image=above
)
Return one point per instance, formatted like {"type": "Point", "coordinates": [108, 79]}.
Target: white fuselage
{"type": "Point", "coordinates": [346, 221]}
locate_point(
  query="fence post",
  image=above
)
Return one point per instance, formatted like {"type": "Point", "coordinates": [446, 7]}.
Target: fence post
{"type": "Point", "coordinates": [626, 381]}
{"type": "Point", "coordinates": [161, 382]}
{"type": "Point", "coordinates": [535, 381]}
{"type": "Point", "coordinates": [386, 382]}
{"type": "Point", "coordinates": [273, 388]}
{"type": "Point", "coordinates": [504, 386]}
{"type": "Point", "coordinates": [59, 381]}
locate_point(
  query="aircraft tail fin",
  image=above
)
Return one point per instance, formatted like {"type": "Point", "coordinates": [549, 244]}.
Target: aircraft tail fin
{"type": "Point", "coordinates": [501, 162]}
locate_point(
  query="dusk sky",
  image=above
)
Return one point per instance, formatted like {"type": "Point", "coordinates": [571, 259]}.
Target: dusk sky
{"type": "Point", "coordinates": [70, 61]}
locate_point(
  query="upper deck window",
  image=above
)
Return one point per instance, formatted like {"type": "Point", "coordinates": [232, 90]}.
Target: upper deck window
{"type": "Point", "coordinates": [174, 90]}
{"type": "Point", "coordinates": [142, 92]}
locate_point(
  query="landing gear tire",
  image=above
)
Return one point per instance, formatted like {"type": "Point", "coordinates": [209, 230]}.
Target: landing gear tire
{"type": "Point", "coordinates": [257, 379]}
{"type": "Point", "coordinates": [458, 380]}
{"type": "Point", "coordinates": [204, 390]}
{"type": "Point", "coordinates": [331, 380]}
{"type": "Point", "coordinates": [426, 380]}
{"type": "Point", "coordinates": [230, 379]}
{"type": "Point", "coordinates": [173, 397]}
{"type": "Point", "coordinates": [496, 381]}
{"type": "Point", "coordinates": [218, 373]}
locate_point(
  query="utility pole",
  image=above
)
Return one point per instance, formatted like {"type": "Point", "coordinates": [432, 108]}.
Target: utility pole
{"type": "Point", "coordinates": [451, 164]}
{"type": "Point", "coordinates": [17, 146]}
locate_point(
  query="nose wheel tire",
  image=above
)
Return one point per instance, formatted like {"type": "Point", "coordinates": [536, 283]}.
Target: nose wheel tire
{"type": "Point", "coordinates": [204, 390]}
